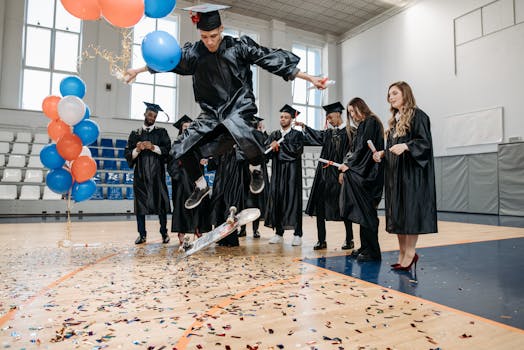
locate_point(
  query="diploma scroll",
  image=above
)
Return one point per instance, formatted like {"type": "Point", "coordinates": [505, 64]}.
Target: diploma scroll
{"type": "Point", "coordinates": [371, 146]}
{"type": "Point", "coordinates": [270, 149]}
{"type": "Point", "coordinates": [328, 162]}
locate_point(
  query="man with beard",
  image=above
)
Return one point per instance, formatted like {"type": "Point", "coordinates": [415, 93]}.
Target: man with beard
{"type": "Point", "coordinates": [146, 152]}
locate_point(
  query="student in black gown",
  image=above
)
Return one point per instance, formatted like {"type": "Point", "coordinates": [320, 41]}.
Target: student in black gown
{"type": "Point", "coordinates": [193, 221]}
{"type": "Point", "coordinates": [284, 205]}
{"type": "Point", "coordinates": [363, 179]}
{"type": "Point", "coordinates": [146, 153]}
{"type": "Point", "coordinates": [410, 174]}
{"type": "Point", "coordinates": [223, 87]}
{"type": "Point", "coordinates": [325, 192]}
{"type": "Point", "coordinates": [258, 200]}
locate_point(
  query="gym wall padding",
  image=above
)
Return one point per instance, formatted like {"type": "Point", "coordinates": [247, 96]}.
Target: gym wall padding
{"type": "Point", "coordinates": [511, 178]}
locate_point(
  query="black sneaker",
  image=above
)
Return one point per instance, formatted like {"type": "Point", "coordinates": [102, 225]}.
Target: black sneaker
{"type": "Point", "coordinates": [348, 245]}
{"type": "Point", "coordinates": [165, 239]}
{"type": "Point", "coordinates": [257, 182]}
{"type": "Point", "coordinates": [256, 234]}
{"type": "Point", "coordinates": [196, 197]}
{"type": "Point", "coordinates": [141, 239]}
{"type": "Point", "coordinates": [320, 245]}
{"type": "Point", "coordinates": [242, 232]}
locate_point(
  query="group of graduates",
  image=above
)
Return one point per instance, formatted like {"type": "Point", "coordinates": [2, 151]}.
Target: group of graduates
{"type": "Point", "coordinates": [225, 135]}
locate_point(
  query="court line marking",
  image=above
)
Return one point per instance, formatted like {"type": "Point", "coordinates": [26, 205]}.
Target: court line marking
{"type": "Point", "coordinates": [419, 299]}
{"type": "Point", "coordinates": [184, 340]}
{"type": "Point", "coordinates": [12, 313]}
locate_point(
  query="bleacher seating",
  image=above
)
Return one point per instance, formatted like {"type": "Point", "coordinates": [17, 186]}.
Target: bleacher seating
{"type": "Point", "coordinates": [16, 161]}
{"type": "Point", "coordinates": [34, 176]}
{"type": "Point", "coordinates": [30, 192]}
{"type": "Point", "coordinates": [35, 162]}
{"type": "Point", "coordinates": [50, 195]}
{"type": "Point", "coordinates": [6, 136]}
{"type": "Point", "coordinates": [26, 137]}
{"type": "Point", "coordinates": [12, 175]}
{"type": "Point", "coordinates": [8, 192]}
{"type": "Point", "coordinates": [20, 148]}
{"type": "Point", "coordinates": [35, 150]}
{"type": "Point", "coordinates": [41, 138]}
{"type": "Point", "coordinates": [2, 159]}
{"type": "Point", "coordinates": [4, 147]}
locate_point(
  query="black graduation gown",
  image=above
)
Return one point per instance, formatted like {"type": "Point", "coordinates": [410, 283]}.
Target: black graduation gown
{"type": "Point", "coordinates": [363, 182]}
{"type": "Point", "coordinates": [259, 200]}
{"type": "Point", "coordinates": [186, 220]}
{"type": "Point", "coordinates": [149, 182]}
{"type": "Point", "coordinates": [223, 87]}
{"type": "Point", "coordinates": [326, 188]}
{"type": "Point", "coordinates": [410, 181]}
{"type": "Point", "coordinates": [231, 184]}
{"type": "Point", "coordinates": [284, 204]}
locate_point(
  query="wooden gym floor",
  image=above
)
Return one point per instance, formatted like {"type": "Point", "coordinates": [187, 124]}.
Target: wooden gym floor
{"type": "Point", "coordinates": [105, 292]}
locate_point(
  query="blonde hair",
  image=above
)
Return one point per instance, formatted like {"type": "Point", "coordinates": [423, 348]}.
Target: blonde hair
{"type": "Point", "coordinates": [406, 112]}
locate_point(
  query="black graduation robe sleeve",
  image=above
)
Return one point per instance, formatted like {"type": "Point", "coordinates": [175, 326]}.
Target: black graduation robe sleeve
{"type": "Point", "coordinates": [131, 145]}
{"type": "Point", "coordinates": [420, 144]}
{"type": "Point", "coordinates": [313, 137]}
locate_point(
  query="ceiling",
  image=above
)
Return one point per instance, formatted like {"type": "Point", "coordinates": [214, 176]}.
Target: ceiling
{"type": "Point", "coordinates": [334, 17]}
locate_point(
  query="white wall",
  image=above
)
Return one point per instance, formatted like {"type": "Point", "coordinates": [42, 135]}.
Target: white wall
{"type": "Point", "coordinates": [113, 106]}
{"type": "Point", "coordinates": [417, 46]}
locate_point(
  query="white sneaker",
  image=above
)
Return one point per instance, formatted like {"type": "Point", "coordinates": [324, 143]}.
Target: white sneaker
{"type": "Point", "coordinates": [297, 240]}
{"type": "Point", "coordinates": [276, 239]}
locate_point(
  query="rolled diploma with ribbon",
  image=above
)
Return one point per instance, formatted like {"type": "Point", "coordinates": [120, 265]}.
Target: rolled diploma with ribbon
{"type": "Point", "coordinates": [328, 162]}
{"type": "Point", "coordinates": [270, 149]}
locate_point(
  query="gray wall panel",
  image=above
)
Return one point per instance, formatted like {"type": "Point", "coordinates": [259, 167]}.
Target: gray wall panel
{"type": "Point", "coordinates": [455, 184]}
{"type": "Point", "coordinates": [483, 184]}
{"type": "Point", "coordinates": [511, 179]}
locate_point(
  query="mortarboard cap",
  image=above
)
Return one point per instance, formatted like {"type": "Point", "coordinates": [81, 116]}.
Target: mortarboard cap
{"type": "Point", "coordinates": [184, 119]}
{"type": "Point", "coordinates": [206, 16]}
{"type": "Point", "coordinates": [153, 107]}
{"type": "Point", "coordinates": [288, 109]}
{"type": "Point", "coordinates": [257, 119]}
{"type": "Point", "coordinates": [334, 107]}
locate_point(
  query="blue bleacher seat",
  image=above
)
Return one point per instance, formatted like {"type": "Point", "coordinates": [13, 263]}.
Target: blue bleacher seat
{"type": "Point", "coordinates": [99, 193]}
{"type": "Point", "coordinates": [114, 193]}
{"type": "Point", "coordinates": [129, 193]}
{"type": "Point", "coordinates": [120, 144]}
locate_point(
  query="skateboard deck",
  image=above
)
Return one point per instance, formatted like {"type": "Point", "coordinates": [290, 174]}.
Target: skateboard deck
{"type": "Point", "coordinates": [233, 222]}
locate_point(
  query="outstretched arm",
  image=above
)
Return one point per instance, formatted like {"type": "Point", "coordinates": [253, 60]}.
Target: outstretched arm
{"type": "Point", "coordinates": [318, 82]}
{"type": "Point", "coordinates": [131, 73]}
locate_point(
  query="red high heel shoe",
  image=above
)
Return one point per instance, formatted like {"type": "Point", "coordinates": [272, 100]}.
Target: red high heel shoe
{"type": "Point", "coordinates": [395, 265]}
{"type": "Point", "coordinates": [407, 268]}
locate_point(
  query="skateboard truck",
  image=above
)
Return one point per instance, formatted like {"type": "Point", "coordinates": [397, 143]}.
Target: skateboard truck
{"type": "Point", "coordinates": [231, 219]}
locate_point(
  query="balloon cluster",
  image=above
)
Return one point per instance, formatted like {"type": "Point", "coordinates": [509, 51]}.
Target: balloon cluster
{"type": "Point", "coordinates": [120, 13]}
{"type": "Point", "coordinates": [160, 49]}
{"type": "Point", "coordinates": [70, 161]}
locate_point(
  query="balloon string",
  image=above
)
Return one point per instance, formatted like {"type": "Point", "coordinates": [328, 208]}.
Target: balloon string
{"type": "Point", "coordinates": [68, 225]}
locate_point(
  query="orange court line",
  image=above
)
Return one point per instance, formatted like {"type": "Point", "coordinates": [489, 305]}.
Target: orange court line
{"type": "Point", "coordinates": [184, 340]}
{"type": "Point", "coordinates": [11, 313]}
{"type": "Point", "coordinates": [448, 308]}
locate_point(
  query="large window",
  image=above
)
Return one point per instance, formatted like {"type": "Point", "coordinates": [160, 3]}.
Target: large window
{"type": "Point", "coordinates": [254, 69]}
{"type": "Point", "coordinates": [158, 88]}
{"type": "Point", "coordinates": [308, 101]}
{"type": "Point", "coordinates": [51, 50]}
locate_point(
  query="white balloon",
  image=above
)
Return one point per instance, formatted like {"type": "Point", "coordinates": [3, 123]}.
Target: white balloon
{"type": "Point", "coordinates": [85, 151]}
{"type": "Point", "coordinates": [71, 109]}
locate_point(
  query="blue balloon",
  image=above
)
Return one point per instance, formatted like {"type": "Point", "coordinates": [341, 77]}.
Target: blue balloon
{"type": "Point", "coordinates": [50, 158]}
{"type": "Point", "coordinates": [87, 130]}
{"type": "Point", "coordinates": [159, 8]}
{"type": "Point", "coordinates": [83, 191]}
{"type": "Point", "coordinates": [73, 85]}
{"type": "Point", "coordinates": [59, 181]}
{"type": "Point", "coordinates": [87, 113]}
{"type": "Point", "coordinates": [161, 51]}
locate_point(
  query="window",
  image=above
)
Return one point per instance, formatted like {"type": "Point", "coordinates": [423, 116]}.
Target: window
{"type": "Point", "coordinates": [308, 101]}
{"type": "Point", "coordinates": [51, 51]}
{"type": "Point", "coordinates": [254, 69]}
{"type": "Point", "coordinates": [156, 88]}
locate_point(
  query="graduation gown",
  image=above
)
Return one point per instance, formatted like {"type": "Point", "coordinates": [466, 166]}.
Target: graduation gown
{"type": "Point", "coordinates": [326, 188]}
{"type": "Point", "coordinates": [149, 183]}
{"type": "Point", "coordinates": [284, 205]}
{"type": "Point", "coordinates": [363, 181]}
{"type": "Point", "coordinates": [231, 184]}
{"type": "Point", "coordinates": [186, 220]}
{"type": "Point", "coordinates": [223, 87]}
{"type": "Point", "coordinates": [410, 181]}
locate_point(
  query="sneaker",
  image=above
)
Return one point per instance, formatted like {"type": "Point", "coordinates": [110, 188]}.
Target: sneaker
{"type": "Point", "coordinates": [256, 234]}
{"type": "Point", "coordinates": [348, 245]}
{"type": "Point", "coordinates": [165, 239]}
{"type": "Point", "coordinates": [257, 182]}
{"type": "Point", "coordinates": [320, 245]}
{"type": "Point", "coordinates": [196, 197]}
{"type": "Point", "coordinates": [141, 239]}
{"type": "Point", "coordinates": [276, 239]}
{"type": "Point", "coordinates": [297, 240]}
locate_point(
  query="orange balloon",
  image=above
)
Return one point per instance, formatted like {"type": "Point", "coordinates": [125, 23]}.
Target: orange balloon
{"type": "Point", "coordinates": [57, 128]}
{"type": "Point", "coordinates": [83, 168]}
{"type": "Point", "coordinates": [122, 13]}
{"type": "Point", "coordinates": [69, 146]}
{"type": "Point", "coordinates": [50, 106]}
{"type": "Point", "coordinates": [83, 9]}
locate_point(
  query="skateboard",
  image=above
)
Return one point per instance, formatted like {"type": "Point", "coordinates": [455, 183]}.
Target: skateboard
{"type": "Point", "coordinates": [233, 222]}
